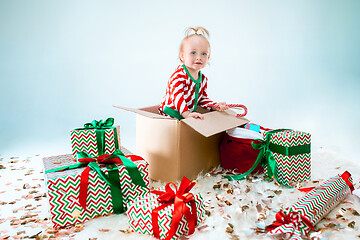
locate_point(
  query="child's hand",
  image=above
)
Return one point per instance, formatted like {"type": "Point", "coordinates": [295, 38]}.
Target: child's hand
{"type": "Point", "coordinates": [220, 107]}
{"type": "Point", "coordinates": [188, 114]}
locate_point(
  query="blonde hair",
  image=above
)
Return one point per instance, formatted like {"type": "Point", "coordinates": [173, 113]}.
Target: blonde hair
{"type": "Point", "coordinates": [190, 32]}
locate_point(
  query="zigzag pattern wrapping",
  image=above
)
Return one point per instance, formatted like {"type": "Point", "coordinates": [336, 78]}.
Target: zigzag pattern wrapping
{"type": "Point", "coordinates": [63, 190]}
{"type": "Point", "coordinates": [315, 205]}
{"type": "Point", "coordinates": [139, 215]}
{"type": "Point", "coordinates": [292, 168]}
{"type": "Point", "coordinates": [85, 140]}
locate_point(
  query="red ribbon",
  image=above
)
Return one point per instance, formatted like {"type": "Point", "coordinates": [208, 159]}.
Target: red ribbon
{"type": "Point", "coordinates": [179, 198]}
{"type": "Point", "coordinates": [291, 217]}
{"type": "Point", "coordinates": [346, 177]}
{"type": "Point", "coordinates": [84, 179]}
{"type": "Point", "coordinates": [106, 158]}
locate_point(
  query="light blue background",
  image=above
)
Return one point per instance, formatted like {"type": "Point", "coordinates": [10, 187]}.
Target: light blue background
{"type": "Point", "coordinates": [294, 64]}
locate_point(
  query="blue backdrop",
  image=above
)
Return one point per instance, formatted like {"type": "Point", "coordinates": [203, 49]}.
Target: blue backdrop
{"type": "Point", "coordinates": [295, 64]}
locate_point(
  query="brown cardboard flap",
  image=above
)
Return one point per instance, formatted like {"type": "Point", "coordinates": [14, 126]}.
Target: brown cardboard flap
{"type": "Point", "coordinates": [215, 122]}
{"type": "Point", "coordinates": [147, 112]}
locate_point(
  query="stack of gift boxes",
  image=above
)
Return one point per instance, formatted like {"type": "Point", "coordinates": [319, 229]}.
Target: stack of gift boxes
{"type": "Point", "coordinates": [97, 179]}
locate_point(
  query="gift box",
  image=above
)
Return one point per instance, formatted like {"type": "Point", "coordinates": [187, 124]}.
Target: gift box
{"type": "Point", "coordinates": [79, 191]}
{"type": "Point", "coordinates": [291, 151]}
{"type": "Point", "coordinates": [96, 138]}
{"type": "Point", "coordinates": [284, 154]}
{"type": "Point", "coordinates": [165, 213]}
{"type": "Point", "coordinates": [297, 220]}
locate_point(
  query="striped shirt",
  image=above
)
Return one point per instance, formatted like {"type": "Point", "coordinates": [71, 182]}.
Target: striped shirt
{"type": "Point", "coordinates": [180, 93]}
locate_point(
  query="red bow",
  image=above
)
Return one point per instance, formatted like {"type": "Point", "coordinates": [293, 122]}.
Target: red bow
{"type": "Point", "coordinates": [346, 176]}
{"type": "Point", "coordinates": [179, 198]}
{"type": "Point", "coordinates": [291, 217]}
{"type": "Point", "coordinates": [106, 159]}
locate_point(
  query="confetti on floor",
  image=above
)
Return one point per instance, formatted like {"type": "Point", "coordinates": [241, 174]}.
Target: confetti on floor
{"type": "Point", "coordinates": [234, 209]}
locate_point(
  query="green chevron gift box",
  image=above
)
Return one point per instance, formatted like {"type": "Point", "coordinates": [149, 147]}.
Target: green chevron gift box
{"type": "Point", "coordinates": [82, 189]}
{"type": "Point", "coordinates": [96, 138]}
{"type": "Point", "coordinates": [284, 154]}
{"type": "Point", "coordinates": [298, 220]}
{"type": "Point", "coordinates": [167, 213]}
{"type": "Point", "coordinates": [291, 152]}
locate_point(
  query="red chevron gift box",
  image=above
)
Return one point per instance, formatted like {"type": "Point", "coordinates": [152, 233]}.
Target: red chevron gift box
{"type": "Point", "coordinates": [79, 191]}
{"type": "Point", "coordinates": [167, 213]}
{"type": "Point", "coordinates": [297, 220]}
{"type": "Point", "coordinates": [285, 155]}
{"type": "Point", "coordinates": [96, 138]}
{"type": "Point", "coordinates": [291, 151]}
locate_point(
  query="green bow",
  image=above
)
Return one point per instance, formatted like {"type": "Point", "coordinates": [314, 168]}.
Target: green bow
{"type": "Point", "coordinates": [100, 127]}
{"type": "Point", "coordinates": [266, 152]}
{"type": "Point", "coordinates": [99, 124]}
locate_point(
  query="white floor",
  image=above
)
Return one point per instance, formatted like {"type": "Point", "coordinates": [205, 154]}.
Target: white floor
{"type": "Point", "coordinates": [24, 206]}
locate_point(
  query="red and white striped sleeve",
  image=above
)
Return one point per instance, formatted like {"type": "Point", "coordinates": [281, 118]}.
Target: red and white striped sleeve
{"type": "Point", "coordinates": [204, 100]}
{"type": "Point", "coordinates": [176, 93]}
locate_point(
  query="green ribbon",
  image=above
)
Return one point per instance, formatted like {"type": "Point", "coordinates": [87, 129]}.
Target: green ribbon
{"type": "Point", "coordinates": [113, 178]}
{"type": "Point", "coordinates": [100, 127]}
{"type": "Point", "coordinates": [128, 164]}
{"type": "Point", "coordinates": [266, 152]}
{"type": "Point", "coordinates": [197, 86]}
{"type": "Point", "coordinates": [172, 112]}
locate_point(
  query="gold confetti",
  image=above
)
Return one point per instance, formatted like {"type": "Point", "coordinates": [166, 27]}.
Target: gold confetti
{"type": "Point", "coordinates": [277, 192]}
{"type": "Point", "coordinates": [127, 231]}
{"type": "Point", "coordinates": [354, 212]}
{"type": "Point", "coordinates": [207, 213]}
{"type": "Point", "coordinates": [243, 208]}
{"type": "Point", "coordinates": [216, 186]}
{"type": "Point", "coordinates": [230, 228]}
{"type": "Point", "coordinates": [351, 224]}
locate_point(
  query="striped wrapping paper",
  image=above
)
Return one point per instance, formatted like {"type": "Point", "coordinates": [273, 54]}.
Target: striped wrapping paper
{"type": "Point", "coordinates": [291, 168]}
{"type": "Point", "coordinates": [86, 140]}
{"type": "Point", "coordinates": [63, 190]}
{"type": "Point", "coordinates": [139, 214]}
{"type": "Point", "coordinates": [297, 220]}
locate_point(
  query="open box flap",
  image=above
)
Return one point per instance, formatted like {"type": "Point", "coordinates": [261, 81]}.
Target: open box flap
{"type": "Point", "coordinates": [215, 122]}
{"type": "Point", "coordinates": [150, 112]}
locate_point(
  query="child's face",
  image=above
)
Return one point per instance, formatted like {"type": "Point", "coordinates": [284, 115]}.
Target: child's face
{"type": "Point", "coordinates": [195, 52]}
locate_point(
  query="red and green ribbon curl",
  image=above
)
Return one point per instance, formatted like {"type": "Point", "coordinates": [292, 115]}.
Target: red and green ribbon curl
{"type": "Point", "coordinates": [266, 156]}
{"type": "Point", "coordinates": [112, 178]}
{"type": "Point", "coordinates": [100, 127]}
{"type": "Point", "coordinates": [179, 197]}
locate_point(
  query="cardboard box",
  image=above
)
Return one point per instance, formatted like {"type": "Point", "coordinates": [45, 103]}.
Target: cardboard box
{"type": "Point", "coordinates": [176, 148]}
